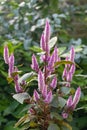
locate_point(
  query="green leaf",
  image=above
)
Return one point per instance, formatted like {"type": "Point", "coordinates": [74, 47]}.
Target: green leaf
{"type": "Point", "coordinates": [63, 62]}
{"type": "Point", "coordinates": [9, 79]}
{"type": "Point", "coordinates": [53, 127]}
{"type": "Point", "coordinates": [55, 102]}
{"type": "Point", "coordinates": [52, 42]}
{"type": "Point", "coordinates": [21, 120]}
{"type": "Point", "coordinates": [61, 101]}
{"type": "Point", "coordinates": [36, 49]}
{"type": "Point", "coordinates": [20, 97]}
{"type": "Point", "coordinates": [65, 90]}
{"type": "Point", "coordinates": [26, 76]}
{"type": "Point", "coordinates": [55, 115]}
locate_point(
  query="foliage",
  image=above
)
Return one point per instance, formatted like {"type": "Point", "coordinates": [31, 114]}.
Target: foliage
{"type": "Point", "coordinates": [21, 24]}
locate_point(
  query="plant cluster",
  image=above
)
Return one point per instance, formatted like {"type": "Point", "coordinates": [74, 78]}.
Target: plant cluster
{"type": "Point", "coordinates": [52, 103]}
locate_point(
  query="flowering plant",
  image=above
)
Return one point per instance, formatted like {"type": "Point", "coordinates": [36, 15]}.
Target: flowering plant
{"type": "Point", "coordinates": [51, 105]}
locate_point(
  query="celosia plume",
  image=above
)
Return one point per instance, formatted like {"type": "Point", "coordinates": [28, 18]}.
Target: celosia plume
{"type": "Point", "coordinates": [48, 98]}
{"type": "Point", "coordinates": [41, 80]}
{"type": "Point", "coordinates": [11, 65]}
{"type": "Point", "coordinates": [34, 64]}
{"type": "Point", "coordinates": [54, 83]}
{"type": "Point", "coordinates": [36, 96]}
{"type": "Point", "coordinates": [6, 54]}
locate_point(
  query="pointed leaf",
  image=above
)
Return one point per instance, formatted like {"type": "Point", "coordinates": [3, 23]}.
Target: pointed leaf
{"type": "Point", "coordinates": [20, 97]}
{"type": "Point", "coordinates": [63, 62]}
{"type": "Point", "coordinates": [52, 42]}
{"type": "Point", "coordinates": [53, 127]}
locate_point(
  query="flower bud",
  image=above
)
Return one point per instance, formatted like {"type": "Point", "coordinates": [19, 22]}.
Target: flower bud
{"type": "Point", "coordinates": [72, 54]}
{"type": "Point", "coordinates": [6, 54]}
{"type": "Point", "coordinates": [34, 64]}
{"type": "Point", "coordinates": [76, 97]}
{"type": "Point", "coordinates": [54, 83]}
{"type": "Point", "coordinates": [69, 102]}
{"type": "Point", "coordinates": [11, 64]}
{"type": "Point", "coordinates": [36, 96]}
{"type": "Point", "coordinates": [48, 98]}
{"type": "Point", "coordinates": [41, 82]}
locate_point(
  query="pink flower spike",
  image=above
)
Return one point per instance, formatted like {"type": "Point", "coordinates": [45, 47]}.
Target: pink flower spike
{"type": "Point", "coordinates": [47, 32]}
{"type": "Point", "coordinates": [76, 97]}
{"type": "Point", "coordinates": [69, 76]}
{"type": "Point", "coordinates": [42, 43]}
{"type": "Point", "coordinates": [54, 83]}
{"type": "Point", "coordinates": [56, 54]}
{"type": "Point", "coordinates": [11, 64]}
{"type": "Point", "coordinates": [69, 102]}
{"type": "Point", "coordinates": [72, 54]}
{"type": "Point", "coordinates": [67, 65]}
{"type": "Point", "coordinates": [41, 82]}
{"type": "Point", "coordinates": [44, 91]}
{"type": "Point", "coordinates": [34, 64]}
{"type": "Point", "coordinates": [64, 76]}
{"type": "Point", "coordinates": [36, 96]}
{"type": "Point", "coordinates": [6, 54]}
{"type": "Point", "coordinates": [51, 61]}
{"type": "Point", "coordinates": [48, 98]}
{"type": "Point", "coordinates": [72, 69]}
{"type": "Point", "coordinates": [18, 88]}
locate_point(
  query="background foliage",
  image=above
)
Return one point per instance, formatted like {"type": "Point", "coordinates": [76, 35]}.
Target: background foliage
{"type": "Point", "coordinates": [21, 25]}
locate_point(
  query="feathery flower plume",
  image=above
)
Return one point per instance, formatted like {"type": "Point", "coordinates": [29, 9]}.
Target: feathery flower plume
{"type": "Point", "coordinates": [18, 88]}
{"type": "Point", "coordinates": [76, 97]}
{"type": "Point", "coordinates": [41, 82]}
{"type": "Point", "coordinates": [69, 76]}
{"type": "Point", "coordinates": [48, 98]}
{"type": "Point", "coordinates": [6, 54]}
{"type": "Point", "coordinates": [11, 64]}
{"type": "Point", "coordinates": [44, 91]}
{"type": "Point", "coordinates": [36, 96]}
{"type": "Point", "coordinates": [54, 83]}
{"type": "Point", "coordinates": [47, 36]}
{"type": "Point", "coordinates": [34, 64]}
{"type": "Point", "coordinates": [71, 104]}
{"type": "Point", "coordinates": [72, 54]}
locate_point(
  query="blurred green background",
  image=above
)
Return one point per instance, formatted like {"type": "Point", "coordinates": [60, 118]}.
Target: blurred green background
{"type": "Point", "coordinates": [21, 25]}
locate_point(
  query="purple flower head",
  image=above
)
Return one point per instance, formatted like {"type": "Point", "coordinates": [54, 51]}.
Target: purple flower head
{"type": "Point", "coordinates": [6, 54]}
{"type": "Point", "coordinates": [54, 83]}
{"type": "Point", "coordinates": [41, 82]}
{"type": "Point", "coordinates": [56, 54]}
{"type": "Point", "coordinates": [51, 61]}
{"type": "Point", "coordinates": [18, 88]}
{"type": "Point", "coordinates": [34, 64]}
{"type": "Point", "coordinates": [72, 69]}
{"type": "Point", "coordinates": [64, 76]}
{"type": "Point", "coordinates": [11, 64]}
{"type": "Point", "coordinates": [42, 43]}
{"type": "Point", "coordinates": [69, 102]}
{"type": "Point", "coordinates": [47, 32]}
{"type": "Point", "coordinates": [67, 65]}
{"type": "Point", "coordinates": [44, 91]}
{"type": "Point", "coordinates": [76, 97]}
{"type": "Point", "coordinates": [36, 96]}
{"type": "Point", "coordinates": [72, 54]}
{"type": "Point", "coordinates": [47, 36]}
{"type": "Point", "coordinates": [48, 98]}
{"type": "Point", "coordinates": [69, 76]}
